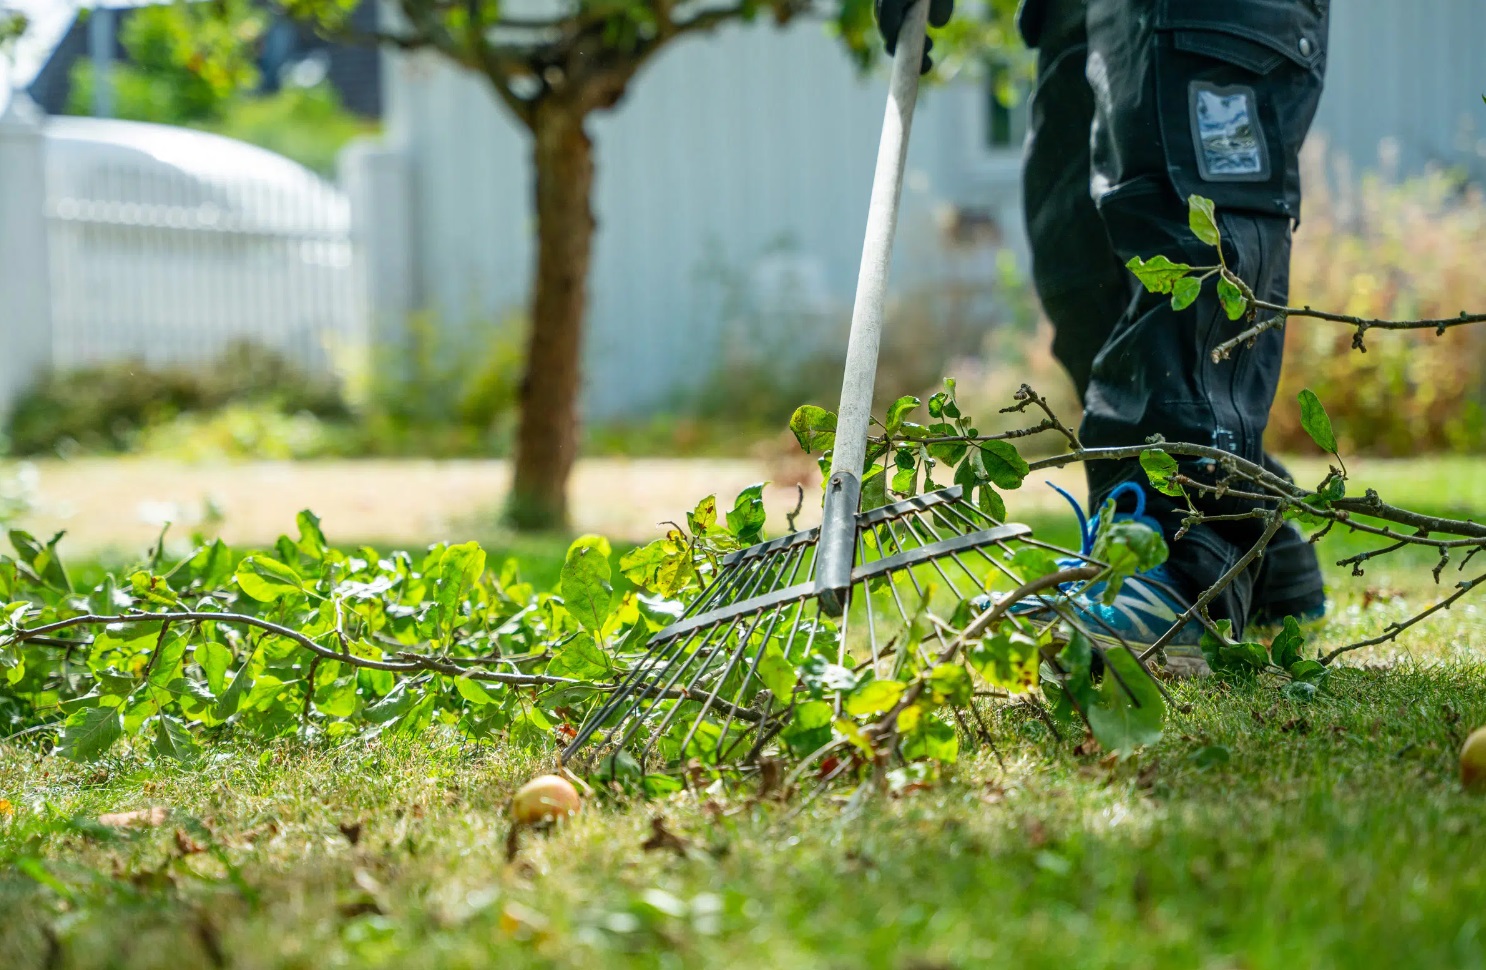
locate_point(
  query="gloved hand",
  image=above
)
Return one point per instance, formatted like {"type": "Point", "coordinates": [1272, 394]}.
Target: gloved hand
{"type": "Point", "coordinates": [890, 22]}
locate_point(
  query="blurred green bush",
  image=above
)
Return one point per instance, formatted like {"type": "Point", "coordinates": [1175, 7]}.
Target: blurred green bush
{"type": "Point", "coordinates": [106, 408]}
{"type": "Point", "coordinates": [1388, 250]}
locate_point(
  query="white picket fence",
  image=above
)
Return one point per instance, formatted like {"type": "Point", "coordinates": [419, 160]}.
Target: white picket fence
{"type": "Point", "coordinates": [129, 242]}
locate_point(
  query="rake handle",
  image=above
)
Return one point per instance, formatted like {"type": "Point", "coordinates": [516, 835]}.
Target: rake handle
{"type": "Point", "coordinates": [853, 418]}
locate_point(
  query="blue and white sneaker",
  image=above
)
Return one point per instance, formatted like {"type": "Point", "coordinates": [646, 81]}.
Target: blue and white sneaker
{"type": "Point", "coordinates": [1146, 605]}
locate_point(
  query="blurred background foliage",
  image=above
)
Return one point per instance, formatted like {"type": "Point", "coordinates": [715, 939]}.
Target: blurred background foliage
{"type": "Point", "coordinates": [194, 67]}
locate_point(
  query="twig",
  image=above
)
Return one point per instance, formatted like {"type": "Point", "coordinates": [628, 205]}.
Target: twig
{"type": "Point", "coordinates": [1211, 593]}
{"type": "Point", "coordinates": [1394, 629]}
{"type": "Point", "coordinates": [1282, 313]}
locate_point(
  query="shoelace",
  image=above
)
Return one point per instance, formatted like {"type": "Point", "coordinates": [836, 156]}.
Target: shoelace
{"type": "Point", "coordinates": [1089, 527]}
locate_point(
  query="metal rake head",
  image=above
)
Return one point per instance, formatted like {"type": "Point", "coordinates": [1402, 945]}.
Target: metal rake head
{"type": "Point", "coordinates": [719, 684]}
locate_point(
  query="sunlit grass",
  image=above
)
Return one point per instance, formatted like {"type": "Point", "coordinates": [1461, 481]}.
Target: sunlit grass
{"type": "Point", "coordinates": [1262, 831]}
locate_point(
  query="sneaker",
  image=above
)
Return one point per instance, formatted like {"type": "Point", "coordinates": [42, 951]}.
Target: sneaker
{"type": "Point", "coordinates": [1142, 611]}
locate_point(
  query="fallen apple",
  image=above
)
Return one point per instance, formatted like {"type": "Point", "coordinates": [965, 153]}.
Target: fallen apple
{"type": "Point", "coordinates": [1473, 761]}
{"type": "Point", "coordinates": [545, 799]}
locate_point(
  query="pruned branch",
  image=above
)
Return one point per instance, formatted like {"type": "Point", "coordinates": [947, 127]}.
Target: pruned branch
{"type": "Point", "coordinates": [1362, 324]}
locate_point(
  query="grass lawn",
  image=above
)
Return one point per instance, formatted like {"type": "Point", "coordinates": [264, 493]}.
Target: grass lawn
{"type": "Point", "coordinates": [1261, 832]}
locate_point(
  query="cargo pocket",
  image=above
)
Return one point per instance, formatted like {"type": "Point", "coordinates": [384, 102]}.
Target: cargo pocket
{"type": "Point", "coordinates": [1238, 85]}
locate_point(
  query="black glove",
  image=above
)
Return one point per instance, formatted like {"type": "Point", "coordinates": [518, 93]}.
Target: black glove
{"type": "Point", "coordinates": [890, 22]}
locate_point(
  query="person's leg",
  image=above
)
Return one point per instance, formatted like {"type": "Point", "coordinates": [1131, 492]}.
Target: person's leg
{"type": "Point", "coordinates": [1195, 98]}
{"type": "Point", "coordinates": [1080, 282]}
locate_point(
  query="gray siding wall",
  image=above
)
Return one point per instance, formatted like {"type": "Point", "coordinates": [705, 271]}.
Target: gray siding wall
{"type": "Point", "coordinates": [1410, 70]}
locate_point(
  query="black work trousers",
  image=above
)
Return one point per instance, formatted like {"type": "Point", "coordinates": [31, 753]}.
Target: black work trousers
{"type": "Point", "coordinates": [1138, 105]}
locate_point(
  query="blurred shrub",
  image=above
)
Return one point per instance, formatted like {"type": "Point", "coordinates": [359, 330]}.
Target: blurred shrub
{"type": "Point", "coordinates": [104, 408]}
{"type": "Point", "coordinates": [18, 483]}
{"type": "Point", "coordinates": [248, 431]}
{"type": "Point", "coordinates": [443, 391]}
{"type": "Point", "coordinates": [308, 125]}
{"type": "Point", "coordinates": [187, 69]}
{"type": "Point", "coordinates": [1408, 250]}
{"type": "Point", "coordinates": [439, 393]}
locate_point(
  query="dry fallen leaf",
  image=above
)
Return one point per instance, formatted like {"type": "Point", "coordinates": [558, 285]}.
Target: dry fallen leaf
{"type": "Point", "coordinates": [663, 838]}
{"type": "Point", "coordinates": [144, 818]}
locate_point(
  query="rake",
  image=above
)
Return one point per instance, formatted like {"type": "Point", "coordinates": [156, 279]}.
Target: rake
{"type": "Point", "coordinates": [857, 588]}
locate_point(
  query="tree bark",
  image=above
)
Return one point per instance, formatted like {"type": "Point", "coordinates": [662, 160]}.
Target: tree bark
{"type": "Point", "coordinates": [547, 436]}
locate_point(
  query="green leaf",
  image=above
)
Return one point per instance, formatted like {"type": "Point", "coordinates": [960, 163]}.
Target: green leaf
{"type": "Point", "coordinates": [1212, 646]}
{"type": "Point", "coordinates": [228, 702]}
{"type": "Point", "coordinates": [704, 516]}
{"type": "Point", "coordinates": [814, 428]}
{"type": "Point", "coordinates": [746, 520]}
{"type": "Point", "coordinates": [874, 697]}
{"type": "Point", "coordinates": [1008, 660]}
{"type": "Point", "coordinates": [810, 728]}
{"type": "Point", "coordinates": [1203, 218]}
{"type": "Point", "coordinates": [1246, 653]}
{"type": "Point", "coordinates": [459, 569]}
{"type": "Point", "coordinates": [931, 740]}
{"type": "Point", "coordinates": [1235, 304]}
{"type": "Point", "coordinates": [586, 590]}
{"type": "Point", "coordinates": [580, 659]}
{"type": "Point", "coordinates": [777, 673]}
{"type": "Point", "coordinates": [950, 684]}
{"type": "Point", "coordinates": [1160, 468]}
{"type": "Point", "coordinates": [1316, 422]}
{"type": "Point", "coordinates": [173, 740]}
{"type": "Point", "coordinates": [874, 488]}
{"type": "Point", "coordinates": [1129, 711]}
{"type": "Point", "coordinates": [663, 567]}
{"type": "Point", "coordinates": [897, 410]}
{"type": "Point", "coordinates": [1287, 643]}
{"type": "Point", "coordinates": [1309, 671]}
{"type": "Point", "coordinates": [1184, 292]}
{"type": "Point", "coordinates": [167, 665]}
{"type": "Point", "coordinates": [43, 560]}
{"type": "Point", "coordinates": [336, 696]}
{"type": "Point", "coordinates": [474, 691]}
{"type": "Point", "coordinates": [1129, 547]}
{"type": "Point", "coordinates": [265, 579]}
{"type": "Point", "coordinates": [1004, 466]}
{"type": "Point", "coordinates": [311, 539]}
{"type": "Point", "coordinates": [397, 702]}
{"type": "Point", "coordinates": [90, 732]}
{"type": "Point", "coordinates": [991, 504]}
{"type": "Point", "coordinates": [214, 659]}
{"type": "Point", "coordinates": [1030, 562]}
{"type": "Point", "coordinates": [1157, 274]}
{"type": "Point", "coordinates": [905, 480]}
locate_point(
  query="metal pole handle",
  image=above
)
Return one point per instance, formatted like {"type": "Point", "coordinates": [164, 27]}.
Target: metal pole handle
{"type": "Point", "coordinates": [843, 490]}
{"type": "Point", "coordinates": [854, 416]}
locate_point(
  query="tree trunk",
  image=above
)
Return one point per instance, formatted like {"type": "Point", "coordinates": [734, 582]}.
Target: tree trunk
{"type": "Point", "coordinates": [547, 438]}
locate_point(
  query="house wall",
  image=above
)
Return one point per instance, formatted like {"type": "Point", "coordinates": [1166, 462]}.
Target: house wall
{"type": "Point", "coordinates": [1413, 72]}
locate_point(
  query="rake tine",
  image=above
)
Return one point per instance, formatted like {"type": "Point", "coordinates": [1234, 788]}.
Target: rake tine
{"type": "Point", "coordinates": [809, 644]}
{"type": "Point", "coordinates": [871, 628]}
{"type": "Point", "coordinates": [657, 694]}
{"type": "Point", "coordinates": [752, 669]}
{"type": "Point", "coordinates": [626, 688]}
{"type": "Point", "coordinates": [935, 562]}
{"type": "Point", "coordinates": [712, 695]}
